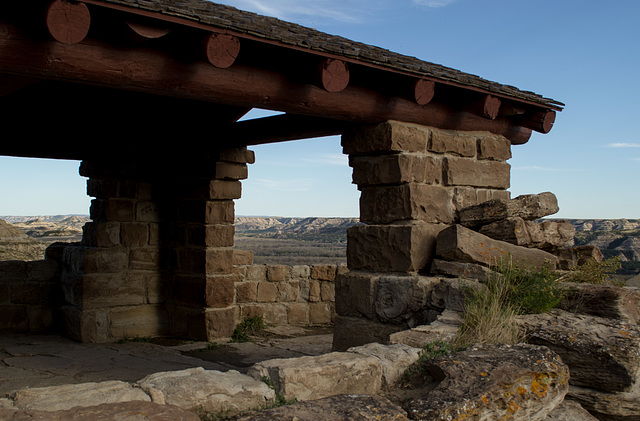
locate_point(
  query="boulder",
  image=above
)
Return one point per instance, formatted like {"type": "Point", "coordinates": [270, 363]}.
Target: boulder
{"type": "Point", "coordinates": [617, 406]}
{"type": "Point", "coordinates": [308, 378]}
{"type": "Point", "coordinates": [333, 408]}
{"type": "Point", "coordinates": [570, 410]}
{"type": "Point", "coordinates": [123, 411]}
{"type": "Point", "coordinates": [59, 398]}
{"type": "Point", "coordinates": [461, 244]}
{"type": "Point", "coordinates": [212, 391]}
{"type": "Point", "coordinates": [578, 255]}
{"type": "Point", "coordinates": [613, 302]}
{"type": "Point", "coordinates": [545, 235]}
{"type": "Point", "coordinates": [603, 354]}
{"type": "Point", "coordinates": [528, 207]}
{"type": "Point", "coordinates": [394, 359]}
{"type": "Point", "coordinates": [489, 382]}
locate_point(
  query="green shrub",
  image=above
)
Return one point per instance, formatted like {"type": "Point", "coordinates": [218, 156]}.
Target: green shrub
{"type": "Point", "coordinates": [594, 272]}
{"type": "Point", "coordinates": [249, 326]}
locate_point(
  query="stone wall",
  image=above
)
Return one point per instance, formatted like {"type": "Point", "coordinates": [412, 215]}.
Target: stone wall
{"type": "Point", "coordinates": [297, 295]}
{"type": "Point", "coordinates": [413, 182]}
{"type": "Point", "coordinates": [29, 295]}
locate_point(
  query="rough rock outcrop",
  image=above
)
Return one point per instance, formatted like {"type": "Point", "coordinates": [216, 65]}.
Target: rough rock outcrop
{"type": "Point", "coordinates": [545, 235]}
{"type": "Point", "coordinates": [461, 244]}
{"type": "Point", "coordinates": [528, 207]}
{"type": "Point", "coordinates": [602, 354]}
{"type": "Point", "coordinates": [394, 359]}
{"type": "Point", "coordinates": [570, 411]}
{"type": "Point", "coordinates": [121, 411]}
{"type": "Point", "coordinates": [334, 408]}
{"type": "Point", "coordinates": [213, 391]}
{"type": "Point", "coordinates": [515, 382]}
{"type": "Point", "coordinates": [308, 378]}
{"type": "Point", "coordinates": [612, 302]}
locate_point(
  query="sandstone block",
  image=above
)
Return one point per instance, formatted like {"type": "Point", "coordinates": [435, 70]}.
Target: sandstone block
{"type": "Point", "coordinates": [453, 142]}
{"type": "Point", "coordinates": [246, 292]}
{"type": "Point", "coordinates": [620, 406]}
{"type": "Point", "coordinates": [219, 322]}
{"type": "Point", "coordinates": [56, 398]}
{"type": "Point", "coordinates": [257, 273]}
{"type": "Point", "coordinates": [545, 235]}
{"type": "Point", "coordinates": [223, 190]}
{"type": "Point", "coordinates": [288, 291]}
{"type": "Point", "coordinates": [461, 244]}
{"type": "Point", "coordinates": [267, 292]}
{"type": "Point", "coordinates": [578, 255]}
{"type": "Point", "coordinates": [515, 382]}
{"type": "Point", "coordinates": [141, 321]}
{"type": "Point", "coordinates": [300, 272]}
{"type": "Point", "coordinates": [403, 299]}
{"type": "Point", "coordinates": [467, 172]}
{"type": "Point", "coordinates": [213, 391]}
{"type": "Point", "coordinates": [612, 302]}
{"type": "Point", "coordinates": [237, 155]}
{"type": "Point", "coordinates": [327, 291]}
{"type": "Point", "coordinates": [443, 329]}
{"type": "Point", "coordinates": [394, 359]}
{"type": "Point", "coordinates": [219, 290]}
{"type": "Point", "coordinates": [497, 148]}
{"type": "Point", "coordinates": [231, 171]}
{"type": "Point", "coordinates": [390, 136]}
{"type": "Point", "coordinates": [108, 290]}
{"type": "Point", "coordinates": [396, 169]}
{"type": "Point", "coordinates": [449, 294]}
{"type": "Point", "coordinates": [569, 410]}
{"type": "Point", "coordinates": [320, 313]}
{"type": "Point", "coordinates": [421, 202]}
{"type": "Point", "coordinates": [391, 248]}
{"type": "Point", "coordinates": [323, 272]}
{"type": "Point", "coordinates": [355, 294]}
{"type": "Point", "coordinates": [460, 270]}
{"type": "Point", "coordinates": [278, 273]}
{"type": "Point", "coordinates": [601, 353]}
{"type": "Point", "coordinates": [528, 207]}
{"type": "Point", "coordinates": [309, 378]}
{"type": "Point", "coordinates": [242, 257]}
{"type": "Point", "coordinates": [297, 313]}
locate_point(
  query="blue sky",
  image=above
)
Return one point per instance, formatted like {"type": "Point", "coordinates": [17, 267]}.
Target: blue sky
{"type": "Point", "coordinates": [584, 53]}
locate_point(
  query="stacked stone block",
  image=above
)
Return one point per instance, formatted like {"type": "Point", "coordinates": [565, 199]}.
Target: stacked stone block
{"type": "Point", "coordinates": [413, 181]}
{"type": "Point", "coordinates": [299, 295]}
{"type": "Point", "coordinates": [157, 257]}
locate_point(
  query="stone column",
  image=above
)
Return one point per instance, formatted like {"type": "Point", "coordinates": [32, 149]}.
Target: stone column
{"type": "Point", "coordinates": [156, 258]}
{"type": "Point", "coordinates": [413, 180]}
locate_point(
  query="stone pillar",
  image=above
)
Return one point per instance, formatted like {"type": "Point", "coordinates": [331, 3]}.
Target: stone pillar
{"type": "Point", "coordinates": [413, 180]}
{"type": "Point", "coordinates": [156, 258]}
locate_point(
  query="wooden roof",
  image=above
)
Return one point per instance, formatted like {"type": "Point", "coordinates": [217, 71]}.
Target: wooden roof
{"type": "Point", "coordinates": [192, 66]}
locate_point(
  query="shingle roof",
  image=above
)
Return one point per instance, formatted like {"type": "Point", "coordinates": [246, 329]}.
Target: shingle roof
{"type": "Point", "coordinates": [290, 34]}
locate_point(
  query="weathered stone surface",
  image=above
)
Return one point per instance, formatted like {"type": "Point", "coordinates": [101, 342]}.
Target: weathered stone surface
{"type": "Point", "coordinates": [528, 207]}
{"type": "Point", "coordinates": [575, 256]}
{"type": "Point", "coordinates": [460, 270]}
{"type": "Point", "coordinates": [461, 244]}
{"type": "Point", "coordinates": [620, 303]}
{"type": "Point", "coordinates": [494, 147]}
{"type": "Point", "coordinates": [122, 411]}
{"type": "Point", "coordinates": [621, 406]}
{"type": "Point", "coordinates": [213, 391]}
{"type": "Point", "coordinates": [491, 382]}
{"type": "Point", "coordinates": [390, 136]}
{"type": "Point", "coordinates": [467, 172]}
{"type": "Point", "coordinates": [602, 354]}
{"type": "Point", "coordinates": [449, 294]}
{"type": "Point", "coordinates": [308, 378]}
{"type": "Point", "coordinates": [546, 235]}
{"type": "Point", "coordinates": [349, 407]}
{"type": "Point", "coordinates": [391, 248]}
{"type": "Point", "coordinates": [403, 298]}
{"type": "Point", "coordinates": [445, 328]}
{"type": "Point", "coordinates": [57, 398]}
{"type": "Point", "coordinates": [570, 410]}
{"type": "Point", "coordinates": [395, 169]}
{"type": "Point", "coordinates": [394, 359]}
{"type": "Point", "coordinates": [420, 202]}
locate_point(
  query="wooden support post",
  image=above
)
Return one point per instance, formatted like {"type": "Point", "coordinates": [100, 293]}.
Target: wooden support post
{"type": "Point", "coordinates": [334, 75]}
{"type": "Point", "coordinates": [423, 91]}
{"type": "Point", "coordinates": [68, 22]}
{"type": "Point", "coordinates": [222, 50]}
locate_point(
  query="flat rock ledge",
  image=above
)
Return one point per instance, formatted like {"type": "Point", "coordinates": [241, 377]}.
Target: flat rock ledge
{"type": "Point", "coordinates": [485, 382]}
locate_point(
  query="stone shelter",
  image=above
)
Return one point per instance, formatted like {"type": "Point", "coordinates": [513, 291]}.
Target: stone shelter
{"type": "Point", "coordinates": [149, 96]}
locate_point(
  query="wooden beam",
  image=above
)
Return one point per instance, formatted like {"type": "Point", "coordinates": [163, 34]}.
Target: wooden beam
{"type": "Point", "coordinates": [281, 128]}
{"type": "Point", "coordinates": [540, 121]}
{"type": "Point", "coordinates": [151, 71]}
{"type": "Point", "coordinates": [140, 31]}
{"type": "Point", "coordinates": [68, 22]}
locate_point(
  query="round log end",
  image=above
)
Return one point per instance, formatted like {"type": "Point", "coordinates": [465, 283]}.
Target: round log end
{"type": "Point", "coordinates": [424, 90]}
{"type": "Point", "coordinates": [222, 50]}
{"type": "Point", "coordinates": [67, 22]}
{"type": "Point", "coordinates": [334, 75]}
{"type": "Point", "coordinates": [491, 107]}
{"type": "Point", "coordinates": [147, 31]}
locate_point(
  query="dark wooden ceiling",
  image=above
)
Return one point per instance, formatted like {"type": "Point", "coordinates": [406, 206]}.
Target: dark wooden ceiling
{"type": "Point", "coordinates": [112, 77]}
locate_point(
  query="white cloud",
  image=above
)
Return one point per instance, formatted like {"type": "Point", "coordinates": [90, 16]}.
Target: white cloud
{"type": "Point", "coordinates": [330, 159]}
{"type": "Point", "coordinates": [433, 3]}
{"type": "Point", "coordinates": [623, 145]}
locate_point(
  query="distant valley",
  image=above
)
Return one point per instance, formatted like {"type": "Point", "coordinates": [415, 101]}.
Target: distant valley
{"type": "Point", "coordinates": [310, 240]}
